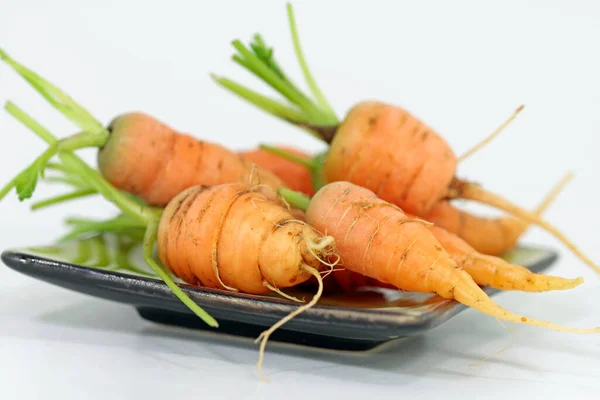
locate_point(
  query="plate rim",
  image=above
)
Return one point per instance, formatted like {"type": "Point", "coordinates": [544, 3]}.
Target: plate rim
{"type": "Point", "coordinates": [378, 318]}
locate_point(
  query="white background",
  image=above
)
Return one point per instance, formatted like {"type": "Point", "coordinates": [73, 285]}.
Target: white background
{"type": "Point", "coordinates": [462, 66]}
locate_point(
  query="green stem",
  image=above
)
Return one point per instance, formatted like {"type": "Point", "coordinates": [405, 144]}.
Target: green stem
{"type": "Point", "coordinates": [124, 247]}
{"type": "Point", "coordinates": [295, 199]}
{"type": "Point", "coordinates": [19, 114]}
{"type": "Point", "coordinates": [55, 96]}
{"type": "Point", "coordinates": [146, 215]}
{"type": "Point", "coordinates": [288, 156]}
{"type": "Point", "coordinates": [310, 80]}
{"type": "Point", "coordinates": [91, 176]}
{"type": "Point", "coordinates": [44, 135]}
{"type": "Point", "coordinates": [57, 167]}
{"type": "Point", "coordinates": [65, 197]}
{"type": "Point", "coordinates": [11, 184]}
{"type": "Point", "coordinates": [264, 103]}
{"type": "Point", "coordinates": [256, 66]}
{"type": "Point", "coordinates": [117, 224]}
{"type": "Point", "coordinates": [84, 252]}
{"type": "Point", "coordinates": [318, 117]}
{"type": "Point", "coordinates": [94, 132]}
{"type": "Point", "coordinates": [99, 248]}
{"type": "Point", "coordinates": [149, 239]}
{"type": "Point", "coordinates": [83, 140]}
{"type": "Point", "coordinates": [124, 203]}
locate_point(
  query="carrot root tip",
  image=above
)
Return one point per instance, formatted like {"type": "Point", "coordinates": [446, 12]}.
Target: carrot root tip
{"type": "Point", "coordinates": [264, 336]}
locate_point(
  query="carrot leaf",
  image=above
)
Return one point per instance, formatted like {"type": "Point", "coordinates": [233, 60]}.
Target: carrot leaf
{"type": "Point", "coordinates": [76, 194]}
{"type": "Point", "coordinates": [259, 59]}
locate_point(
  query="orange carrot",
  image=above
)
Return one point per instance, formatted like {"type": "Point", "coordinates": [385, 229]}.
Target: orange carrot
{"type": "Point", "coordinates": [145, 157]}
{"type": "Point", "coordinates": [295, 176]}
{"type": "Point", "coordinates": [491, 236]}
{"type": "Point", "coordinates": [238, 237]}
{"type": "Point", "coordinates": [377, 239]}
{"type": "Point", "coordinates": [138, 153]}
{"type": "Point", "coordinates": [376, 145]}
{"type": "Point", "coordinates": [200, 240]}
{"type": "Point", "coordinates": [494, 271]}
{"type": "Point", "coordinates": [234, 237]}
{"type": "Point", "coordinates": [485, 270]}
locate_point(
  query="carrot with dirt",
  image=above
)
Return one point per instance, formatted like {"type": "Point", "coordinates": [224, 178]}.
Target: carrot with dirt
{"type": "Point", "coordinates": [377, 239]}
{"type": "Point", "coordinates": [485, 270]}
{"type": "Point", "coordinates": [236, 236]}
{"type": "Point", "coordinates": [377, 145]}
{"type": "Point", "coordinates": [137, 153]}
{"type": "Point", "coordinates": [491, 236]}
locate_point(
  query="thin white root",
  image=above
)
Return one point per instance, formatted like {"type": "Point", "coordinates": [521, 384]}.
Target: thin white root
{"type": "Point", "coordinates": [252, 175]}
{"type": "Point", "coordinates": [320, 245]}
{"type": "Point", "coordinates": [491, 137]}
{"type": "Point", "coordinates": [550, 197]}
{"type": "Point", "coordinates": [215, 265]}
{"type": "Point", "coordinates": [264, 336]}
{"type": "Point", "coordinates": [282, 294]}
{"type": "Point", "coordinates": [331, 271]}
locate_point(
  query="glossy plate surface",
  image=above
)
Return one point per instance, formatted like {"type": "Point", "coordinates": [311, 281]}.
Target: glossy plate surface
{"type": "Point", "coordinates": [111, 267]}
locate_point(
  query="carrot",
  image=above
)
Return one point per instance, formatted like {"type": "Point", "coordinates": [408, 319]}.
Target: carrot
{"type": "Point", "coordinates": [137, 152]}
{"type": "Point", "coordinates": [293, 174]}
{"type": "Point", "coordinates": [485, 270]}
{"type": "Point", "coordinates": [376, 145]}
{"type": "Point", "coordinates": [235, 236]}
{"type": "Point", "coordinates": [377, 239]}
{"type": "Point", "coordinates": [494, 271]}
{"type": "Point", "coordinates": [491, 236]}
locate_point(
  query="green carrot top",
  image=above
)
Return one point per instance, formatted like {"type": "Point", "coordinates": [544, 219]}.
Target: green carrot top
{"type": "Point", "coordinates": [311, 113]}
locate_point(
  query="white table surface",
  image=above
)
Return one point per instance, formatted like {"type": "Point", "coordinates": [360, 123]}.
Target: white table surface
{"type": "Point", "coordinates": [463, 67]}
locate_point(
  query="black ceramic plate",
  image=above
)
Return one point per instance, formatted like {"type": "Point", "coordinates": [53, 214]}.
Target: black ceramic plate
{"type": "Point", "coordinates": [111, 267]}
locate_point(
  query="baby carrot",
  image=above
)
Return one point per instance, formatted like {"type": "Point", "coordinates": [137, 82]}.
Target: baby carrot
{"type": "Point", "coordinates": [137, 152]}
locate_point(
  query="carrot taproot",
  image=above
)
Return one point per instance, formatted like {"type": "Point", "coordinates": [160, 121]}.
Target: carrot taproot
{"type": "Point", "coordinates": [377, 145]}
{"type": "Point", "coordinates": [496, 272]}
{"type": "Point", "coordinates": [377, 239]}
{"type": "Point", "coordinates": [137, 152]}
{"type": "Point", "coordinates": [293, 174]}
{"type": "Point", "coordinates": [491, 236]}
